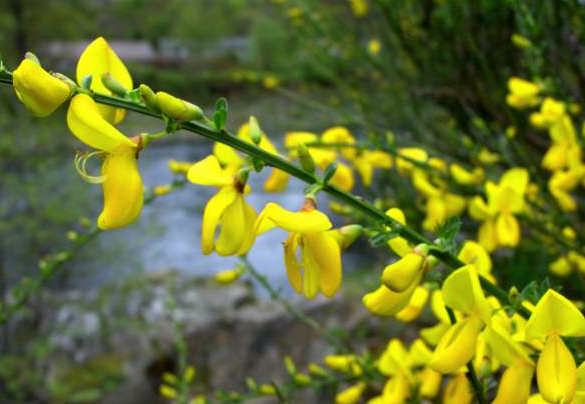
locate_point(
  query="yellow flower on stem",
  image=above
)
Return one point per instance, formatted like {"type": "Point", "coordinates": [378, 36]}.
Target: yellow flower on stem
{"type": "Point", "coordinates": [500, 227]}
{"type": "Point", "coordinates": [121, 182]}
{"type": "Point", "coordinates": [462, 292]}
{"type": "Point", "coordinates": [39, 91]}
{"type": "Point", "coordinates": [350, 395]}
{"type": "Point", "coordinates": [523, 94]}
{"type": "Point", "coordinates": [556, 371]}
{"type": "Point", "coordinates": [319, 267]}
{"type": "Point", "coordinates": [227, 208]}
{"type": "Point", "coordinates": [99, 59]}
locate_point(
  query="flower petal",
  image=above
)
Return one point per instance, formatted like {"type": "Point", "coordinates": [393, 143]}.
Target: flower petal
{"type": "Point", "coordinates": [298, 222]}
{"type": "Point", "coordinates": [293, 268]}
{"type": "Point", "coordinates": [209, 172]}
{"type": "Point", "coordinates": [327, 253]}
{"type": "Point", "coordinates": [122, 188]}
{"type": "Point", "coordinates": [85, 121]}
{"type": "Point", "coordinates": [233, 228]}
{"type": "Point", "coordinates": [98, 58]}
{"type": "Point", "coordinates": [39, 91]}
{"type": "Point", "coordinates": [213, 211]}
{"type": "Point", "coordinates": [554, 313]}
{"type": "Point", "coordinates": [556, 372]}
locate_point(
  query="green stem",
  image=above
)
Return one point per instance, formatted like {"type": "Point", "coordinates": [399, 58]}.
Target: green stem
{"type": "Point", "coordinates": [280, 163]}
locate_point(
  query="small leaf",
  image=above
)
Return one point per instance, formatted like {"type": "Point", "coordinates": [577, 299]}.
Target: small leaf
{"type": "Point", "coordinates": [221, 103]}
{"type": "Point", "coordinates": [86, 82]}
{"type": "Point", "coordinates": [220, 118]}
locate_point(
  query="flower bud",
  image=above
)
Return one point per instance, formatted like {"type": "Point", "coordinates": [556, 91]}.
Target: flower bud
{"type": "Point", "coordinates": [401, 274]}
{"type": "Point", "coordinates": [40, 92]}
{"type": "Point", "coordinates": [350, 395]}
{"type": "Point", "coordinates": [254, 131]}
{"type": "Point", "coordinates": [113, 85]}
{"type": "Point", "coordinates": [305, 159]}
{"type": "Point", "coordinates": [149, 98]}
{"type": "Point", "coordinates": [177, 108]}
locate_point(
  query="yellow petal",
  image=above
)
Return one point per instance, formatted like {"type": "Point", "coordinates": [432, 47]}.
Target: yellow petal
{"type": "Point", "coordinates": [384, 302]}
{"type": "Point", "coordinates": [327, 254]}
{"type": "Point", "coordinates": [474, 253]}
{"type": "Point", "coordinates": [213, 211]}
{"type": "Point", "coordinates": [351, 395]}
{"type": "Point", "coordinates": [233, 228]}
{"type": "Point", "coordinates": [91, 128]}
{"type": "Point", "coordinates": [400, 275]}
{"type": "Point", "coordinates": [487, 235]}
{"type": "Point", "coordinates": [556, 372]}
{"type": "Point", "coordinates": [430, 383]}
{"type": "Point", "coordinates": [457, 346]}
{"type": "Point", "coordinates": [98, 58]}
{"type": "Point", "coordinates": [515, 384]}
{"type": "Point", "coordinates": [419, 353]}
{"type": "Point", "coordinates": [561, 267]}
{"type": "Point", "coordinates": [339, 134]}
{"type": "Point", "coordinates": [209, 172]}
{"type": "Point", "coordinates": [226, 155]}
{"type": "Point", "coordinates": [394, 359]}
{"type": "Point", "coordinates": [250, 217]}
{"type": "Point", "coordinates": [458, 391]}
{"type": "Point", "coordinates": [343, 177]}
{"type": "Point", "coordinates": [298, 222]}
{"type": "Point", "coordinates": [364, 167]}
{"type": "Point", "coordinates": [432, 335]}
{"type": "Point", "coordinates": [507, 230]}
{"type": "Point", "coordinates": [40, 92]}
{"type": "Point", "coordinates": [396, 390]}
{"type": "Point", "coordinates": [122, 188]}
{"type": "Point", "coordinates": [277, 181]}
{"type": "Point", "coordinates": [311, 272]}
{"type": "Point", "coordinates": [554, 313]}
{"type": "Point", "coordinates": [517, 179]}
{"type": "Point", "coordinates": [293, 139]}
{"type": "Point", "coordinates": [415, 305]}
{"type": "Point", "coordinates": [293, 268]}
{"type": "Point", "coordinates": [462, 291]}
{"type": "Point", "coordinates": [505, 348]}
{"type": "Point", "coordinates": [479, 210]}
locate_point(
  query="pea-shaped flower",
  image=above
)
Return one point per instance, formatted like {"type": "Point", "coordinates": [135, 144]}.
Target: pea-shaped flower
{"type": "Point", "coordinates": [121, 182]}
{"type": "Point", "coordinates": [556, 371]}
{"type": "Point", "coordinates": [227, 209]}
{"type": "Point", "coordinates": [319, 267]}
{"type": "Point", "coordinates": [40, 92]}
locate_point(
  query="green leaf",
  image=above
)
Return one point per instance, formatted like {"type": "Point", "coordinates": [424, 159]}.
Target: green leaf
{"type": "Point", "coordinates": [86, 82]}
{"type": "Point", "coordinates": [449, 229]}
{"type": "Point", "coordinates": [221, 103]}
{"type": "Point", "coordinates": [220, 118]}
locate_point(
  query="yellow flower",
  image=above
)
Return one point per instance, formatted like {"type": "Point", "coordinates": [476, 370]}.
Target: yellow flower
{"type": "Point", "coordinates": [500, 227]}
{"type": "Point", "coordinates": [556, 371]}
{"type": "Point", "coordinates": [415, 306]}
{"type": "Point", "coordinates": [366, 161]}
{"type": "Point", "coordinates": [226, 208]}
{"type": "Point", "coordinates": [40, 92]}
{"type": "Point", "coordinates": [374, 46]}
{"type": "Point", "coordinates": [344, 364]}
{"type": "Point", "coordinates": [458, 391]}
{"type": "Point", "coordinates": [228, 276]}
{"type": "Point", "coordinates": [96, 60]}
{"type": "Point", "coordinates": [462, 292]}
{"type": "Point", "coordinates": [523, 94]}
{"type": "Point", "coordinates": [121, 182]}
{"type": "Point", "coordinates": [320, 250]}
{"type": "Point", "coordinates": [359, 7]}
{"type": "Point", "coordinates": [351, 395]}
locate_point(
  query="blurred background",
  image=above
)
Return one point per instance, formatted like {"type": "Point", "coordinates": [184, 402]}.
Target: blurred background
{"type": "Point", "coordinates": [432, 72]}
